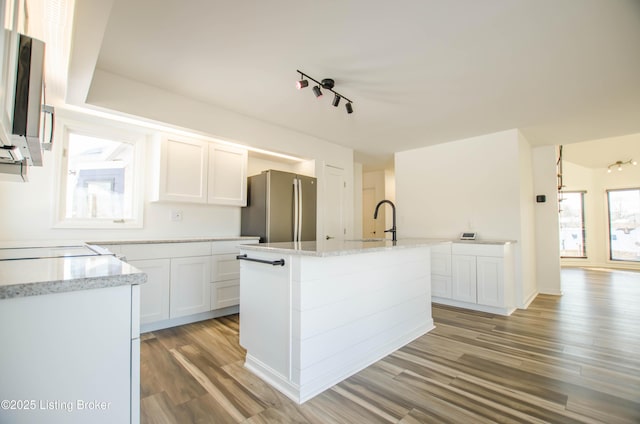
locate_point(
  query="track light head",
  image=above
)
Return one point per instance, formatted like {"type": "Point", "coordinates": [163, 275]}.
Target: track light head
{"type": "Point", "coordinates": [302, 84]}
{"type": "Point", "coordinates": [317, 91]}
{"type": "Point", "coordinates": [336, 100]}
{"type": "Point", "coordinates": [349, 107]}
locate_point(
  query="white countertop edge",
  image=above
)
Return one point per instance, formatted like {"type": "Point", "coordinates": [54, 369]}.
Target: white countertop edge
{"type": "Point", "coordinates": [15, 283]}
{"type": "Point", "coordinates": [338, 247]}
{"type": "Point", "coordinates": [172, 240]}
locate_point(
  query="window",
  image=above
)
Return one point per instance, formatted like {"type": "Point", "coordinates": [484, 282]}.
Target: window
{"type": "Point", "coordinates": [101, 179]}
{"type": "Point", "coordinates": [572, 233]}
{"type": "Point", "coordinates": [624, 224]}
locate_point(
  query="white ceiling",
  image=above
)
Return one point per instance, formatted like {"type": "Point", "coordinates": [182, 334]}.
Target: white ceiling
{"type": "Point", "coordinates": [419, 72]}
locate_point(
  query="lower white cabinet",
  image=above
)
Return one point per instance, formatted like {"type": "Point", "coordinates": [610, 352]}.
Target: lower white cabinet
{"type": "Point", "coordinates": [190, 286]}
{"type": "Point", "coordinates": [490, 279]}
{"type": "Point", "coordinates": [481, 276]}
{"type": "Point", "coordinates": [186, 281]}
{"type": "Point", "coordinates": [154, 296]}
{"type": "Point", "coordinates": [225, 285]}
{"type": "Point", "coordinates": [463, 268]}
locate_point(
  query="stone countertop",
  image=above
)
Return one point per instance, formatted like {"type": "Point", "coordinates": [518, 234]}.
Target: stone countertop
{"type": "Point", "coordinates": [32, 277]}
{"type": "Point", "coordinates": [173, 240]}
{"type": "Point", "coordinates": [351, 247]}
{"type": "Point", "coordinates": [340, 247]}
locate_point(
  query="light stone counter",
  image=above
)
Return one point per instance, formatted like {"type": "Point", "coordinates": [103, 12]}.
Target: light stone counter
{"type": "Point", "coordinates": [350, 247]}
{"type": "Point", "coordinates": [173, 240]}
{"type": "Point", "coordinates": [32, 277]}
{"type": "Point", "coordinates": [325, 248]}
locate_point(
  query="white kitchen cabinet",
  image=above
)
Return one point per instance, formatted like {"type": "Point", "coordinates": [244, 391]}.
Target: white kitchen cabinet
{"type": "Point", "coordinates": [196, 171]}
{"type": "Point", "coordinates": [441, 282]}
{"type": "Point", "coordinates": [227, 183]}
{"type": "Point", "coordinates": [463, 278]}
{"type": "Point", "coordinates": [490, 279]}
{"type": "Point", "coordinates": [182, 176]}
{"type": "Point", "coordinates": [71, 357]}
{"type": "Point", "coordinates": [154, 296]}
{"type": "Point", "coordinates": [481, 277]}
{"type": "Point", "coordinates": [190, 286]}
{"type": "Point", "coordinates": [225, 273]}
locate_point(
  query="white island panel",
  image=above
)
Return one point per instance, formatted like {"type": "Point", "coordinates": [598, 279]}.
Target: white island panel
{"type": "Point", "coordinates": [319, 319]}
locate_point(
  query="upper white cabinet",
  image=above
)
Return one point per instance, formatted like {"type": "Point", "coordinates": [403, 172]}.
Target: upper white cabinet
{"type": "Point", "coordinates": [227, 183]}
{"type": "Point", "coordinates": [197, 171]}
{"type": "Point", "coordinates": [183, 170]}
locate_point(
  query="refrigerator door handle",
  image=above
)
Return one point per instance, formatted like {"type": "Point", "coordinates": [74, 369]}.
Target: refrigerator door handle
{"type": "Point", "coordinates": [300, 208]}
{"type": "Point", "coordinates": [296, 206]}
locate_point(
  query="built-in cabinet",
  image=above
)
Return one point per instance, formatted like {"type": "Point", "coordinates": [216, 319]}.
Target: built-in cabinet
{"type": "Point", "coordinates": [474, 275]}
{"type": "Point", "coordinates": [197, 171]}
{"type": "Point", "coordinates": [186, 281]}
{"type": "Point", "coordinates": [71, 357]}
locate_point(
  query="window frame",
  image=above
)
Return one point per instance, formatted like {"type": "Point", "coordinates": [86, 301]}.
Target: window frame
{"type": "Point", "coordinates": [582, 194]}
{"type": "Point", "coordinates": [608, 224]}
{"type": "Point", "coordinates": [105, 130]}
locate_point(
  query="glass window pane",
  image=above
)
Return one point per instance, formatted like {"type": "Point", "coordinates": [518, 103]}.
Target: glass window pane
{"type": "Point", "coordinates": [572, 233]}
{"type": "Point", "coordinates": [624, 224]}
{"type": "Point", "coordinates": [100, 178]}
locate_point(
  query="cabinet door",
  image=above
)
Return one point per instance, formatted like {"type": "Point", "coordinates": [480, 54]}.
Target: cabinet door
{"type": "Point", "coordinates": [463, 278]}
{"type": "Point", "coordinates": [441, 286]}
{"type": "Point", "coordinates": [490, 281]}
{"type": "Point", "coordinates": [227, 182]}
{"type": "Point", "coordinates": [154, 294]}
{"type": "Point", "coordinates": [190, 286]}
{"type": "Point", "coordinates": [183, 170]}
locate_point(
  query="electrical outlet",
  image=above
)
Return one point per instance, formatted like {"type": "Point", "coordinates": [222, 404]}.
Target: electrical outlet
{"type": "Point", "coordinates": [176, 215]}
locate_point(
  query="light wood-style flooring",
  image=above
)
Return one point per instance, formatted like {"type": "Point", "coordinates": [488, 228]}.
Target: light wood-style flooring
{"type": "Point", "coordinates": [566, 359]}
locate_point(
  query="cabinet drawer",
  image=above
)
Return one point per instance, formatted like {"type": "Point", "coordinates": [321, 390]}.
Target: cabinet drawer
{"type": "Point", "coordinates": [165, 250]}
{"type": "Point", "coordinates": [229, 246]}
{"type": "Point", "coordinates": [442, 248]}
{"type": "Point", "coordinates": [224, 294]}
{"type": "Point", "coordinates": [478, 249]}
{"type": "Point", "coordinates": [225, 267]}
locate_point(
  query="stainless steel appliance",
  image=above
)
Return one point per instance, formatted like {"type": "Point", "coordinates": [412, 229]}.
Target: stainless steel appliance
{"type": "Point", "coordinates": [281, 206]}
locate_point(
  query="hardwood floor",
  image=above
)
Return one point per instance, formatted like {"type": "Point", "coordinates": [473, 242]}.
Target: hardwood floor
{"type": "Point", "coordinates": [568, 359]}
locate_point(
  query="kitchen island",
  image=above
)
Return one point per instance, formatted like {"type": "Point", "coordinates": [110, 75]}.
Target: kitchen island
{"type": "Point", "coordinates": [70, 336]}
{"type": "Point", "coordinates": [314, 313]}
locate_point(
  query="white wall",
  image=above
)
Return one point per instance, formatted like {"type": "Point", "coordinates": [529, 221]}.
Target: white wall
{"type": "Point", "coordinates": [375, 181]}
{"type": "Point", "coordinates": [357, 200]}
{"type": "Point", "coordinates": [484, 184]}
{"type": "Point", "coordinates": [28, 208]}
{"type": "Point", "coordinates": [596, 182]}
{"type": "Point", "coordinates": [113, 92]}
{"type": "Point", "coordinates": [546, 220]}
{"type": "Point", "coordinates": [526, 254]}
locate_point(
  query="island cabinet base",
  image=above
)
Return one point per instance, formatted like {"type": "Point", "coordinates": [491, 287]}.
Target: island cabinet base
{"type": "Point", "coordinates": [317, 320]}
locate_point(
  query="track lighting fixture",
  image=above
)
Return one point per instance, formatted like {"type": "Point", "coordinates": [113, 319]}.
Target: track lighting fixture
{"type": "Point", "coordinates": [618, 164]}
{"type": "Point", "coordinates": [349, 107]}
{"type": "Point", "coordinates": [327, 84]}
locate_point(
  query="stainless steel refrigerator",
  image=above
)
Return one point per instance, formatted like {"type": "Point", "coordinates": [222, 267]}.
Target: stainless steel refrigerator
{"type": "Point", "coordinates": [281, 206]}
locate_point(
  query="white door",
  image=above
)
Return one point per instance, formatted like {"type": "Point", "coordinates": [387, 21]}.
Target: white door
{"type": "Point", "coordinates": [334, 200]}
{"type": "Point", "coordinates": [368, 208]}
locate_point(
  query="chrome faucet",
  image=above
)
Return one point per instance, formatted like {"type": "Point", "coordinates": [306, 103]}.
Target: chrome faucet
{"type": "Point", "coordinates": [392, 230]}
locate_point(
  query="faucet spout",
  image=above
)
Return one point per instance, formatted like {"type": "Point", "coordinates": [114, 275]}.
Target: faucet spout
{"type": "Point", "coordinates": [392, 230]}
